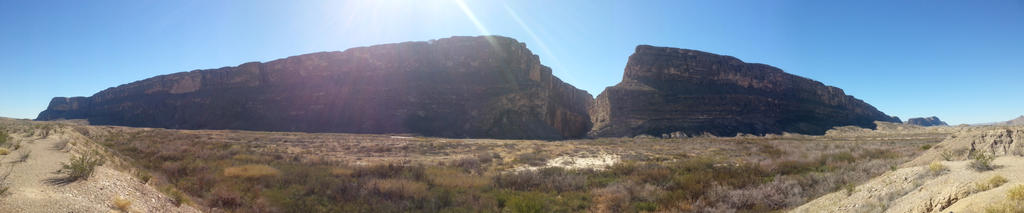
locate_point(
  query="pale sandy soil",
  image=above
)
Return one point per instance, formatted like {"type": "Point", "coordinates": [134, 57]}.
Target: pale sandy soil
{"type": "Point", "coordinates": [30, 190]}
{"type": "Point", "coordinates": [599, 161]}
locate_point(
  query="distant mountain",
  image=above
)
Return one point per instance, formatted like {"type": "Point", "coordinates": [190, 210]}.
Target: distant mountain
{"type": "Point", "coordinates": [1015, 122]}
{"type": "Point", "coordinates": [669, 90]}
{"type": "Point", "coordinates": [491, 87]}
{"type": "Point", "coordinates": [929, 121]}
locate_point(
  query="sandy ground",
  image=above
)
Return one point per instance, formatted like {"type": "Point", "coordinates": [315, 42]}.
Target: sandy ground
{"type": "Point", "coordinates": [599, 161]}
{"type": "Point", "coordinates": [30, 190]}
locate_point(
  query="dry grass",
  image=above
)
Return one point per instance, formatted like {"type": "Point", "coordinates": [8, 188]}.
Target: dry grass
{"type": "Point", "coordinates": [1016, 193]}
{"type": "Point", "coordinates": [251, 171]}
{"type": "Point", "coordinates": [936, 168]}
{"type": "Point", "coordinates": [122, 203]}
{"type": "Point", "coordinates": [399, 188]}
{"type": "Point", "coordinates": [4, 151]}
{"type": "Point", "coordinates": [993, 182]}
{"type": "Point", "coordinates": [1014, 202]}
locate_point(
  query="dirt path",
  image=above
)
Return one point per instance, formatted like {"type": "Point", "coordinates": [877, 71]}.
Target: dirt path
{"type": "Point", "coordinates": [27, 181]}
{"type": "Point", "coordinates": [32, 191]}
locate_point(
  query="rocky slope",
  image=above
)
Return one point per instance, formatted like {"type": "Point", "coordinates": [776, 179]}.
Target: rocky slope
{"type": "Point", "coordinates": [669, 90]}
{"type": "Point", "coordinates": [929, 121]}
{"type": "Point", "coordinates": [455, 87]}
{"type": "Point", "coordinates": [952, 187]}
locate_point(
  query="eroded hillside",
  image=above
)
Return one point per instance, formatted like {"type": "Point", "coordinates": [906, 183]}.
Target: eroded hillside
{"type": "Point", "coordinates": [978, 169]}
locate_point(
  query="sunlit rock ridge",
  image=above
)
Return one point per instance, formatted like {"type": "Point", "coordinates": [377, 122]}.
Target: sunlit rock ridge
{"type": "Point", "coordinates": [488, 87]}
{"type": "Point", "coordinates": [674, 92]}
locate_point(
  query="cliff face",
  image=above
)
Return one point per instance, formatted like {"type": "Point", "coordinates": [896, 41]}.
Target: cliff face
{"type": "Point", "coordinates": [929, 121]}
{"type": "Point", "coordinates": [669, 90]}
{"type": "Point", "coordinates": [490, 87]}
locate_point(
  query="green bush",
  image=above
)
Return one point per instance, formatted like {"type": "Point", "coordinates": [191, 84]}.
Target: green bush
{"type": "Point", "coordinates": [81, 167]}
{"type": "Point", "coordinates": [982, 162]}
{"type": "Point", "coordinates": [177, 196]}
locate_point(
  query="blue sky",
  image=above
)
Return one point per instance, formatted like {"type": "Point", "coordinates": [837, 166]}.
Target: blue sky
{"type": "Point", "coordinates": [960, 60]}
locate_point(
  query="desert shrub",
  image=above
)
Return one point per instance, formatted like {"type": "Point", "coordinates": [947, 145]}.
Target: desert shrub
{"type": "Point", "coordinates": [224, 197]}
{"type": "Point", "coordinates": [653, 174]}
{"type": "Point", "coordinates": [341, 172]}
{"type": "Point", "coordinates": [981, 162]}
{"type": "Point", "coordinates": [4, 151]}
{"type": "Point", "coordinates": [613, 198]}
{"type": "Point", "coordinates": [247, 158]}
{"type": "Point", "coordinates": [849, 188]}
{"type": "Point", "coordinates": [926, 147]}
{"type": "Point", "coordinates": [3, 181]}
{"type": "Point", "coordinates": [390, 171]}
{"type": "Point", "coordinates": [554, 179]}
{"type": "Point", "coordinates": [780, 193]}
{"type": "Point", "coordinates": [993, 182]}
{"type": "Point", "coordinates": [947, 155]}
{"type": "Point", "coordinates": [399, 188]}
{"type": "Point", "coordinates": [447, 177]}
{"type": "Point", "coordinates": [251, 171]}
{"type": "Point", "coordinates": [797, 167]}
{"type": "Point", "coordinates": [81, 167]}
{"type": "Point", "coordinates": [532, 159]}
{"type": "Point", "coordinates": [60, 145]}
{"type": "Point", "coordinates": [525, 204]}
{"type": "Point", "coordinates": [177, 196]}
{"type": "Point", "coordinates": [533, 201]}
{"type": "Point", "coordinates": [694, 179]}
{"type": "Point", "coordinates": [143, 176]}
{"type": "Point", "coordinates": [23, 156]}
{"type": "Point", "coordinates": [878, 154]}
{"type": "Point", "coordinates": [475, 164]}
{"type": "Point", "coordinates": [121, 203]}
{"type": "Point", "coordinates": [845, 156]}
{"type": "Point", "coordinates": [936, 168]}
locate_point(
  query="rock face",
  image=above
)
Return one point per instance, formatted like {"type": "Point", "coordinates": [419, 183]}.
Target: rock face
{"type": "Point", "coordinates": [490, 87]}
{"type": "Point", "coordinates": [669, 90]}
{"type": "Point", "coordinates": [929, 121]}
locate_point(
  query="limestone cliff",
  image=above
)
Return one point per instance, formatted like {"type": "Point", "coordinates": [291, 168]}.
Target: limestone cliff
{"type": "Point", "coordinates": [669, 90]}
{"type": "Point", "coordinates": [490, 87]}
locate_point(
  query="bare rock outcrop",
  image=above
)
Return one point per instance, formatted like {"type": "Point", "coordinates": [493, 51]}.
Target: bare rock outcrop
{"type": "Point", "coordinates": [990, 140]}
{"type": "Point", "coordinates": [668, 90]}
{"type": "Point", "coordinates": [491, 87]}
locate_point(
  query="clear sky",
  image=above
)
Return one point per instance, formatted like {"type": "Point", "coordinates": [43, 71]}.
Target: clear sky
{"type": "Point", "coordinates": [960, 60]}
